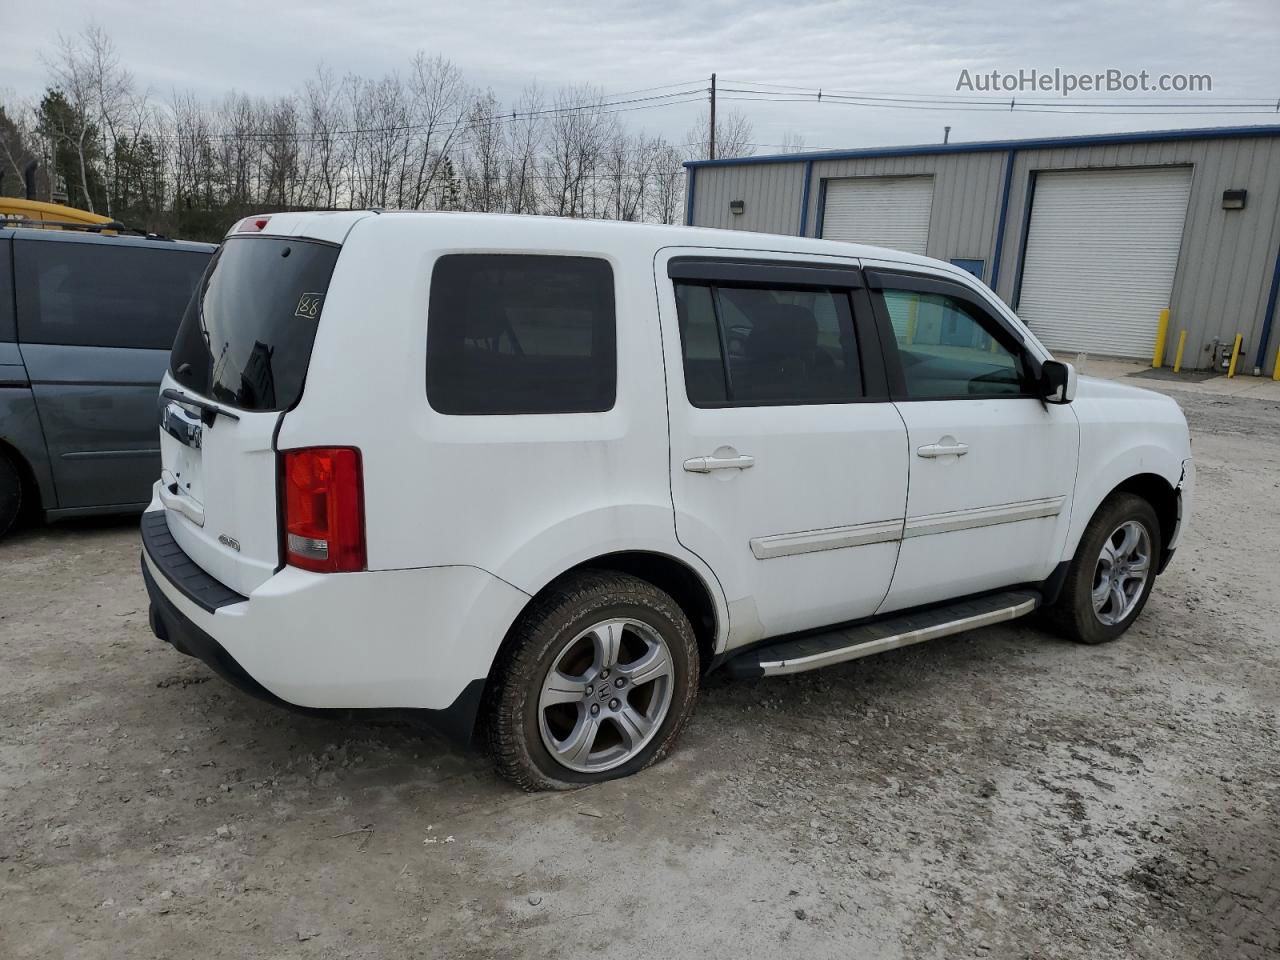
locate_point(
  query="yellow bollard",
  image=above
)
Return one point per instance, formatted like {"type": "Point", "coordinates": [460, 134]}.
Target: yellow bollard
{"type": "Point", "coordinates": [1157, 355]}
{"type": "Point", "coordinates": [1235, 355]}
{"type": "Point", "coordinates": [1177, 360]}
{"type": "Point", "coordinates": [1275, 372]}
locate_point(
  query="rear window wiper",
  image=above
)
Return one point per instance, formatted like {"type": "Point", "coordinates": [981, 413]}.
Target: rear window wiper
{"type": "Point", "coordinates": [209, 412]}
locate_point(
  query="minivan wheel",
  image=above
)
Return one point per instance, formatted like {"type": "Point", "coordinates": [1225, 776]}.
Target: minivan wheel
{"type": "Point", "coordinates": [598, 681]}
{"type": "Point", "coordinates": [10, 493]}
{"type": "Point", "coordinates": [1112, 573]}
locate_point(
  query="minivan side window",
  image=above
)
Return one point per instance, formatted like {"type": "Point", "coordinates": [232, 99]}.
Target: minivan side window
{"type": "Point", "coordinates": [102, 294]}
{"type": "Point", "coordinates": [950, 350]}
{"type": "Point", "coordinates": [521, 333]}
{"type": "Point", "coordinates": [7, 334]}
{"type": "Point", "coordinates": [765, 345]}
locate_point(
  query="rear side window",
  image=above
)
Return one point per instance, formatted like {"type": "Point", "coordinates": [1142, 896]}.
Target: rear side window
{"type": "Point", "coordinates": [247, 334]}
{"type": "Point", "coordinates": [103, 294]}
{"type": "Point", "coordinates": [511, 334]}
{"type": "Point", "coordinates": [763, 345]}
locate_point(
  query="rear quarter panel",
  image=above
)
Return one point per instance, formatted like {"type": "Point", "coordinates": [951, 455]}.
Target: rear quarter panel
{"type": "Point", "coordinates": [524, 497]}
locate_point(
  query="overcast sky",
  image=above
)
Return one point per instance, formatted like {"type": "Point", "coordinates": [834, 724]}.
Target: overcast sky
{"type": "Point", "coordinates": [913, 47]}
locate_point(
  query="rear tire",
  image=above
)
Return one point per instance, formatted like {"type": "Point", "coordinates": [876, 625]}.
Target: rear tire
{"type": "Point", "coordinates": [597, 684]}
{"type": "Point", "coordinates": [1112, 573]}
{"type": "Point", "coordinates": [10, 493]}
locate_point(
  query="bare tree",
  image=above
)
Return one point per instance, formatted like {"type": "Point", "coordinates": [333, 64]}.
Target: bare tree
{"type": "Point", "coordinates": [733, 136]}
{"type": "Point", "coordinates": [326, 148]}
{"type": "Point", "coordinates": [524, 137]}
{"type": "Point", "coordinates": [792, 142]}
{"type": "Point", "coordinates": [440, 113]}
{"type": "Point", "coordinates": [72, 75]}
{"type": "Point", "coordinates": [669, 183]}
{"type": "Point", "coordinates": [17, 141]}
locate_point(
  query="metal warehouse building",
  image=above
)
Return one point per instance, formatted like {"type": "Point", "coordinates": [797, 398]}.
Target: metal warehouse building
{"type": "Point", "coordinates": [1088, 238]}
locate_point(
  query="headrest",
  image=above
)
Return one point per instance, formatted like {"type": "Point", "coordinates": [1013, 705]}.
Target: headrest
{"type": "Point", "coordinates": [782, 332]}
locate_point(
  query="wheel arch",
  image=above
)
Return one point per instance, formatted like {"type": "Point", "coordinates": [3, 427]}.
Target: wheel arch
{"type": "Point", "coordinates": [1151, 487]}
{"type": "Point", "coordinates": [691, 589]}
{"type": "Point", "coordinates": [26, 476]}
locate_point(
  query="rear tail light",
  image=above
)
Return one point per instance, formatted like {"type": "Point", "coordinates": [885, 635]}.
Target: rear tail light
{"type": "Point", "coordinates": [323, 509]}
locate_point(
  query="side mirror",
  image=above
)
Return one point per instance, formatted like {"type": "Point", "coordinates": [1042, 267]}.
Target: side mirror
{"type": "Point", "coordinates": [1057, 382]}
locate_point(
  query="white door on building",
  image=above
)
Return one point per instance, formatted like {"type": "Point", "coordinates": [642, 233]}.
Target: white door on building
{"type": "Point", "coordinates": [888, 212]}
{"type": "Point", "coordinates": [1102, 249]}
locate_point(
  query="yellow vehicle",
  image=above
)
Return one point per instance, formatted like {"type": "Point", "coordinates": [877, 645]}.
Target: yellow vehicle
{"type": "Point", "coordinates": [15, 211]}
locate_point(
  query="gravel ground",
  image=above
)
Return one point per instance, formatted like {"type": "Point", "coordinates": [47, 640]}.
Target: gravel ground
{"type": "Point", "coordinates": [999, 793]}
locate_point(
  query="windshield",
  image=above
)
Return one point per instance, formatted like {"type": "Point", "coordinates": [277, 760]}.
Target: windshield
{"type": "Point", "coordinates": [246, 337]}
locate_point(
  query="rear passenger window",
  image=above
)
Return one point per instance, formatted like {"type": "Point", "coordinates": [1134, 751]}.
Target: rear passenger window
{"type": "Point", "coordinates": [514, 333]}
{"type": "Point", "coordinates": [746, 346]}
{"type": "Point", "coordinates": [103, 294]}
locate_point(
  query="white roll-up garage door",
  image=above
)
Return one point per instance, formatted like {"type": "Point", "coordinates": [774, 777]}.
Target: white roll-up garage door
{"type": "Point", "coordinates": [1102, 249]}
{"type": "Point", "coordinates": [886, 211]}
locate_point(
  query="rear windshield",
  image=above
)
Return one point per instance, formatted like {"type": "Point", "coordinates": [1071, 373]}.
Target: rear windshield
{"type": "Point", "coordinates": [246, 337]}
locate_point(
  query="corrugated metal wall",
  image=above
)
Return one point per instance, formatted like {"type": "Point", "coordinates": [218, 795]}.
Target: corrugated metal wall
{"type": "Point", "coordinates": [772, 192]}
{"type": "Point", "coordinates": [966, 197]}
{"type": "Point", "coordinates": [1227, 256]}
{"type": "Point", "coordinates": [1226, 261]}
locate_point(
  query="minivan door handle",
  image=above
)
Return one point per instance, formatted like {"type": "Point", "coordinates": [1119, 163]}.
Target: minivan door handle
{"type": "Point", "coordinates": [946, 447]}
{"type": "Point", "coordinates": [707, 464]}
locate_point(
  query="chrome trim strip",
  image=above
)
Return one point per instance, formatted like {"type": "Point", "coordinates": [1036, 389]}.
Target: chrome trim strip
{"type": "Point", "coordinates": [830, 538]}
{"type": "Point", "coordinates": [983, 516]}
{"type": "Point", "coordinates": [828, 658]}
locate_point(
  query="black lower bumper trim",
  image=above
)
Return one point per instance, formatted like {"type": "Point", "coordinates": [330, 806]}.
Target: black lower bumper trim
{"type": "Point", "coordinates": [179, 569]}
{"type": "Point", "coordinates": [456, 721]}
{"type": "Point", "coordinates": [173, 627]}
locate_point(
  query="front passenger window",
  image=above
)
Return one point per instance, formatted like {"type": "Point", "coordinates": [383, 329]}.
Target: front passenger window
{"type": "Point", "coordinates": [949, 350]}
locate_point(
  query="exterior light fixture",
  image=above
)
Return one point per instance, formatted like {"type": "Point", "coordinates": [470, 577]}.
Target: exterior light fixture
{"type": "Point", "coordinates": [1234, 199]}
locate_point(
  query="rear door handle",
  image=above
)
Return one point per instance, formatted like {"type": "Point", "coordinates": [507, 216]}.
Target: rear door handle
{"type": "Point", "coordinates": [946, 447]}
{"type": "Point", "coordinates": [707, 464]}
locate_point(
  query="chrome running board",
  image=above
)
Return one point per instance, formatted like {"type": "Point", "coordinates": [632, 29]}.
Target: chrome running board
{"type": "Point", "coordinates": [816, 650]}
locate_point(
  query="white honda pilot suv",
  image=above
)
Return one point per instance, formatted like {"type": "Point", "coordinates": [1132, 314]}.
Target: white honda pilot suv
{"type": "Point", "coordinates": [531, 478]}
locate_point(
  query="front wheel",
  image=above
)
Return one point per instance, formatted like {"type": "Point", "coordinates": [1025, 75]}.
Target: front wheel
{"type": "Point", "coordinates": [597, 684]}
{"type": "Point", "coordinates": [1112, 573]}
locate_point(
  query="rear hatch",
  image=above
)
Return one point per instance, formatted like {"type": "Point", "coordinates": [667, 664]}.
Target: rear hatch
{"type": "Point", "coordinates": [239, 362]}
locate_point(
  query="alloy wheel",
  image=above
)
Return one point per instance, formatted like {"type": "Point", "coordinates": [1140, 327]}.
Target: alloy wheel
{"type": "Point", "coordinates": [1121, 575]}
{"type": "Point", "coordinates": [605, 696]}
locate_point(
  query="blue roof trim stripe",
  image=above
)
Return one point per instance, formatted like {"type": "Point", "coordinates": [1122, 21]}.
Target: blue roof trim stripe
{"type": "Point", "coordinates": [991, 146]}
{"type": "Point", "coordinates": [804, 198]}
{"type": "Point", "coordinates": [1264, 341]}
{"type": "Point", "coordinates": [1004, 218]}
{"type": "Point", "coordinates": [688, 198]}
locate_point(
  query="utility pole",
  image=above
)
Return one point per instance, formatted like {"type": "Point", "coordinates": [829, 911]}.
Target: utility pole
{"type": "Point", "coordinates": [712, 152]}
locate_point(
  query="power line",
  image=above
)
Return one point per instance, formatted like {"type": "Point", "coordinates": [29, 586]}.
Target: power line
{"type": "Point", "coordinates": [603, 106]}
{"type": "Point", "coordinates": [1010, 105]}
{"type": "Point", "coordinates": [824, 92]}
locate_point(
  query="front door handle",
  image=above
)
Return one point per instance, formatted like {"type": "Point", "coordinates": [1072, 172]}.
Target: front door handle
{"type": "Point", "coordinates": [707, 464]}
{"type": "Point", "coordinates": [946, 447]}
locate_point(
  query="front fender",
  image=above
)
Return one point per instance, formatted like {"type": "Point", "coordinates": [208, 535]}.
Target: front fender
{"type": "Point", "coordinates": [1097, 482]}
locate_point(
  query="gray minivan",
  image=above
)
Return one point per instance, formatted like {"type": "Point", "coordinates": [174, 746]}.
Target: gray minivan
{"type": "Point", "coordinates": [86, 324]}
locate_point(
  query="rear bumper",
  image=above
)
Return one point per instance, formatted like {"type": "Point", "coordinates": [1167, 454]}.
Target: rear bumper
{"type": "Point", "coordinates": [170, 625]}
{"type": "Point", "coordinates": [397, 640]}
